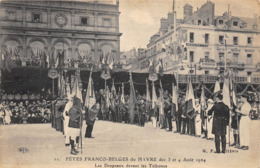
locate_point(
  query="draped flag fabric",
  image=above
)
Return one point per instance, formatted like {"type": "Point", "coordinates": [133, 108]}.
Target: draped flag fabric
{"type": "Point", "coordinates": [63, 86]}
{"type": "Point", "coordinates": [90, 100]}
{"type": "Point", "coordinates": [161, 110]}
{"type": "Point", "coordinates": [132, 100]}
{"type": "Point", "coordinates": [203, 105]}
{"type": "Point", "coordinates": [174, 100]}
{"type": "Point", "coordinates": [226, 92]}
{"type": "Point", "coordinates": [68, 93]}
{"type": "Point", "coordinates": [148, 98]}
{"type": "Point", "coordinates": [123, 94]}
{"type": "Point", "coordinates": [217, 87]}
{"type": "Point", "coordinates": [154, 96]}
{"type": "Point", "coordinates": [113, 88]}
{"type": "Point", "coordinates": [108, 103]}
{"type": "Point", "coordinates": [190, 101]}
{"type": "Point", "coordinates": [48, 61]}
{"type": "Point", "coordinates": [76, 92]}
{"type": "Point", "coordinates": [111, 65]}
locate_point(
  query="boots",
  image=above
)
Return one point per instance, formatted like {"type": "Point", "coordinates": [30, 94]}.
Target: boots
{"type": "Point", "coordinates": [73, 151]}
{"type": "Point", "coordinates": [235, 140]}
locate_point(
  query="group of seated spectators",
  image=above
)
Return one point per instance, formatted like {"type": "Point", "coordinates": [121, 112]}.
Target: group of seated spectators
{"type": "Point", "coordinates": [14, 112]}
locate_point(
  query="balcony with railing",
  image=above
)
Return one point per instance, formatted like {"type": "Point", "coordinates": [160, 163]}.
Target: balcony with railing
{"type": "Point", "coordinates": [213, 79]}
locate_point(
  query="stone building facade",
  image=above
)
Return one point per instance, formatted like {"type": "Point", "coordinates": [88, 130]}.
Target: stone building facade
{"type": "Point", "coordinates": [203, 41]}
{"type": "Point", "coordinates": [80, 29]}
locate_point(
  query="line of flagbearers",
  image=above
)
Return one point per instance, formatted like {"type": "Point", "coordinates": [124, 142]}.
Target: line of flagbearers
{"type": "Point", "coordinates": [195, 117]}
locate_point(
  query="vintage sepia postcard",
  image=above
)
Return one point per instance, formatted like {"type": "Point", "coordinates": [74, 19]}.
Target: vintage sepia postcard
{"type": "Point", "coordinates": [129, 83]}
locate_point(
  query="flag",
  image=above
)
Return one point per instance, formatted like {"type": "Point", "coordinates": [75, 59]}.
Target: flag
{"type": "Point", "coordinates": [76, 92]}
{"type": "Point", "coordinates": [226, 92]}
{"type": "Point", "coordinates": [148, 98]}
{"type": "Point", "coordinates": [161, 67]}
{"type": "Point", "coordinates": [190, 101]}
{"type": "Point", "coordinates": [123, 94]}
{"type": "Point", "coordinates": [203, 107]}
{"type": "Point", "coordinates": [217, 87]}
{"type": "Point", "coordinates": [174, 100]}
{"type": "Point", "coordinates": [111, 65]}
{"type": "Point", "coordinates": [113, 88]}
{"type": "Point", "coordinates": [161, 109]}
{"type": "Point", "coordinates": [57, 62]}
{"type": "Point", "coordinates": [132, 100]}
{"type": "Point", "coordinates": [61, 59]}
{"type": "Point", "coordinates": [2, 62]}
{"type": "Point", "coordinates": [154, 96]}
{"type": "Point", "coordinates": [63, 87]}
{"type": "Point", "coordinates": [48, 61]}
{"type": "Point", "coordinates": [90, 100]}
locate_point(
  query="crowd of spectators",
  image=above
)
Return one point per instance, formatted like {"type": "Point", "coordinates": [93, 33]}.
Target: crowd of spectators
{"type": "Point", "coordinates": [14, 112]}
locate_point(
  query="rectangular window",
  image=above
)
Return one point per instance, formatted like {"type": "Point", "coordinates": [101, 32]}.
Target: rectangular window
{"type": "Point", "coordinates": [206, 38]}
{"type": "Point", "coordinates": [206, 55]}
{"type": "Point", "coordinates": [220, 22]}
{"type": "Point", "coordinates": [206, 72]}
{"type": "Point", "coordinates": [221, 39]}
{"type": "Point", "coordinates": [11, 15]}
{"type": "Point", "coordinates": [36, 17]}
{"type": "Point", "coordinates": [249, 40]}
{"type": "Point", "coordinates": [249, 59]}
{"type": "Point", "coordinates": [106, 23]}
{"type": "Point", "coordinates": [221, 56]}
{"type": "Point", "coordinates": [249, 73]}
{"type": "Point", "coordinates": [191, 37]}
{"type": "Point", "coordinates": [235, 57]}
{"type": "Point", "coordinates": [235, 23]}
{"type": "Point", "coordinates": [84, 21]}
{"type": "Point", "coordinates": [235, 40]}
{"type": "Point", "coordinates": [191, 56]}
{"type": "Point", "coordinates": [199, 22]}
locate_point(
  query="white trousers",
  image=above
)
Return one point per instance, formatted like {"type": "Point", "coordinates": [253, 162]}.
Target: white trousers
{"type": "Point", "coordinates": [154, 122]}
{"type": "Point", "coordinates": [198, 125]}
{"type": "Point", "coordinates": [244, 130]}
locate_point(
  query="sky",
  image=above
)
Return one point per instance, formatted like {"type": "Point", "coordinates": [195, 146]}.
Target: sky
{"type": "Point", "coordinates": [140, 19]}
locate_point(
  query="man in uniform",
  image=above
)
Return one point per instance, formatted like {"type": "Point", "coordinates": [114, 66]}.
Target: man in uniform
{"type": "Point", "coordinates": [74, 125]}
{"type": "Point", "coordinates": [220, 122]}
{"type": "Point", "coordinates": [90, 119]}
{"type": "Point", "coordinates": [68, 106]}
{"type": "Point", "coordinates": [141, 112]}
{"type": "Point", "coordinates": [168, 115]}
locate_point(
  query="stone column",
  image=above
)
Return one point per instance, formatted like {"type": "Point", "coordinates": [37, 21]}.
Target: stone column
{"type": "Point", "coordinates": [24, 16]}
{"type": "Point", "coordinates": [49, 18]}
{"type": "Point", "coordinates": [96, 53]}
{"type": "Point", "coordinates": [73, 19]}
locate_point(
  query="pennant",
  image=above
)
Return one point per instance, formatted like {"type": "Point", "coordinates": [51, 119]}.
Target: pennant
{"type": "Point", "coordinates": [217, 87]}
{"type": "Point", "coordinates": [76, 93]}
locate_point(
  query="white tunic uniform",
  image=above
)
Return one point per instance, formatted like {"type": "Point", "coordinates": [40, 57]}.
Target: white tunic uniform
{"type": "Point", "coordinates": [198, 121]}
{"type": "Point", "coordinates": [66, 121]}
{"type": "Point", "coordinates": [8, 115]}
{"type": "Point", "coordinates": [210, 123]}
{"type": "Point", "coordinates": [245, 124]}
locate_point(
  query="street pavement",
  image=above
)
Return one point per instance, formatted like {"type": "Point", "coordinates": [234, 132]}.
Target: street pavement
{"type": "Point", "coordinates": [119, 145]}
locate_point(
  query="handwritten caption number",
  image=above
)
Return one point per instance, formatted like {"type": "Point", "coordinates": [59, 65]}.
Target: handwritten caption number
{"type": "Point", "coordinates": [56, 159]}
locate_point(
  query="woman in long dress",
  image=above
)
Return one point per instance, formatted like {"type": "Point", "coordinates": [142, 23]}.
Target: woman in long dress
{"type": "Point", "coordinates": [210, 120]}
{"type": "Point", "coordinates": [8, 115]}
